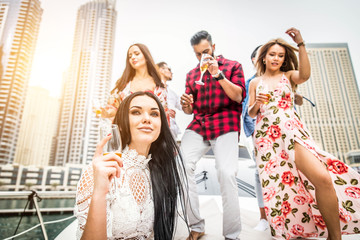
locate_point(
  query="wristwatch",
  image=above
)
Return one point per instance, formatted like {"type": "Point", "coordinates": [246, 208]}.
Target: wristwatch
{"type": "Point", "coordinates": [220, 76]}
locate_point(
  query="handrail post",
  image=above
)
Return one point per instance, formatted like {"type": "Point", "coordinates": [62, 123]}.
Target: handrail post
{"type": "Point", "coordinates": [40, 216]}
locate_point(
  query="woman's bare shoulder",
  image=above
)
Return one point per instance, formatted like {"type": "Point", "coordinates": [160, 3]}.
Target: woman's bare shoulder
{"type": "Point", "coordinates": [255, 82]}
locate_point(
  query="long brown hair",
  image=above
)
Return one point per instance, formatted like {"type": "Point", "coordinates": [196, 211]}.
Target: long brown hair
{"type": "Point", "coordinates": [290, 61]}
{"type": "Point", "coordinates": [167, 171]}
{"type": "Point", "coordinates": [129, 71]}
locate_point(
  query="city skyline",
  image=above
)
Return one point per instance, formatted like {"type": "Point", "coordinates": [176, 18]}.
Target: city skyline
{"type": "Point", "coordinates": [166, 28]}
{"type": "Point", "coordinates": [87, 79]}
{"type": "Point", "coordinates": [19, 28]}
{"type": "Point", "coordinates": [164, 42]}
{"type": "Point", "coordinates": [334, 123]}
{"type": "Point", "coordinates": [38, 128]}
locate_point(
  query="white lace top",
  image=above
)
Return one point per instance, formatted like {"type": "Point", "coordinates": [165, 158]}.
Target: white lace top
{"type": "Point", "coordinates": [130, 207]}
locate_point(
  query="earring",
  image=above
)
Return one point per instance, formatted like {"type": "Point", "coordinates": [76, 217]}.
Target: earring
{"type": "Point", "coordinates": [284, 64]}
{"type": "Point", "coordinates": [264, 62]}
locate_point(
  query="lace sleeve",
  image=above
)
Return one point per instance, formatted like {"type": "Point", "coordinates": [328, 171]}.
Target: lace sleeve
{"type": "Point", "coordinates": [84, 193]}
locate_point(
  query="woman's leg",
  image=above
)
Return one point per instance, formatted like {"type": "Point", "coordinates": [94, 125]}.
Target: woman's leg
{"type": "Point", "coordinates": [325, 193]}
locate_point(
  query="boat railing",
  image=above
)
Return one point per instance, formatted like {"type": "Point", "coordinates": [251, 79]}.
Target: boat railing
{"type": "Point", "coordinates": [41, 194]}
{"type": "Point", "coordinates": [33, 198]}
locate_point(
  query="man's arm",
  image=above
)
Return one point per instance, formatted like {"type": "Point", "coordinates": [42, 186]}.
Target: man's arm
{"type": "Point", "coordinates": [235, 92]}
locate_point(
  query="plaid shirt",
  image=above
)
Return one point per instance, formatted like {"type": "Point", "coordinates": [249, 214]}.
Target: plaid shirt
{"type": "Point", "coordinates": [214, 112]}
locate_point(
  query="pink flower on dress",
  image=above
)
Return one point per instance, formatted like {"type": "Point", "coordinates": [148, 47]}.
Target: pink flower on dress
{"type": "Point", "coordinates": [300, 188]}
{"type": "Point", "coordinates": [274, 132]}
{"type": "Point", "coordinates": [285, 208]}
{"type": "Point", "coordinates": [345, 217]}
{"type": "Point", "coordinates": [300, 200]}
{"type": "Point", "coordinates": [263, 145]}
{"type": "Point", "coordinates": [271, 165]}
{"type": "Point", "coordinates": [289, 124]}
{"type": "Point", "coordinates": [287, 97]}
{"type": "Point", "coordinates": [268, 193]}
{"type": "Point", "coordinates": [284, 155]}
{"type": "Point", "coordinates": [285, 101]}
{"type": "Point", "coordinates": [353, 192]}
{"type": "Point", "coordinates": [287, 178]}
{"type": "Point", "coordinates": [297, 230]}
{"type": "Point", "coordinates": [278, 223]}
{"type": "Point", "coordinates": [308, 235]}
{"type": "Point", "coordinates": [298, 124]}
{"type": "Point", "coordinates": [284, 104]}
{"type": "Point", "coordinates": [319, 221]}
{"type": "Point", "coordinates": [336, 166]}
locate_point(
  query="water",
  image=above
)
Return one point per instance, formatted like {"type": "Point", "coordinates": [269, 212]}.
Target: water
{"type": "Point", "coordinates": [44, 203]}
{"type": "Point", "coordinates": [8, 223]}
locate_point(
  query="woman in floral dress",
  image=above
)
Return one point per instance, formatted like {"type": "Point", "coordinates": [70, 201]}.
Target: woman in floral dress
{"type": "Point", "coordinates": [307, 192]}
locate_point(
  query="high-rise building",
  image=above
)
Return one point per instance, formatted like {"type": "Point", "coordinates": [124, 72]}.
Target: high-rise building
{"type": "Point", "coordinates": [335, 120]}
{"type": "Point", "coordinates": [88, 78]}
{"type": "Point", "coordinates": [37, 128]}
{"type": "Point", "coordinates": [19, 27]}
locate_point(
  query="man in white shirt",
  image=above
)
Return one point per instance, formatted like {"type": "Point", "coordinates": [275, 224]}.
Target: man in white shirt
{"type": "Point", "coordinates": [173, 100]}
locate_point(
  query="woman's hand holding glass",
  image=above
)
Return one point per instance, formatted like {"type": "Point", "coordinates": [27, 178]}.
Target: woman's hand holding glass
{"type": "Point", "coordinates": [108, 110]}
{"type": "Point", "coordinates": [96, 107]}
{"type": "Point", "coordinates": [107, 159]}
{"type": "Point", "coordinates": [262, 96]}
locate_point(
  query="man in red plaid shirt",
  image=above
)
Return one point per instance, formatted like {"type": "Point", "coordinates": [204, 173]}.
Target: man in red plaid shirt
{"type": "Point", "coordinates": [216, 106]}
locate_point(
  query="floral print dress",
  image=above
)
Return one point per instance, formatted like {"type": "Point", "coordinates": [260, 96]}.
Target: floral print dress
{"type": "Point", "coordinates": [289, 196]}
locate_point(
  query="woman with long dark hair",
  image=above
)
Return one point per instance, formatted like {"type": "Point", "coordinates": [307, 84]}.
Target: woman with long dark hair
{"type": "Point", "coordinates": [150, 178]}
{"type": "Point", "coordinates": [307, 192]}
{"type": "Point", "coordinates": [140, 74]}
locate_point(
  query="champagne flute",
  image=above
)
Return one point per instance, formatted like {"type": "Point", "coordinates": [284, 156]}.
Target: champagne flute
{"type": "Point", "coordinates": [99, 111]}
{"type": "Point", "coordinates": [264, 90]}
{"type": "Point", "coordinates": [96, 107]}
{"type": "Point", "coordinates": [204, 59]}
{"type": "Point", "coordinates": [114, 143]}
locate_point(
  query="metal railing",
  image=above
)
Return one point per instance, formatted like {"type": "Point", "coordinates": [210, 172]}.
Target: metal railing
{"type": "Point", "coordinates": [42, 195]}
{"type": "Point", "coordinates": [32, 205]}
{"type": "Point", "coordinates": [246, 187]}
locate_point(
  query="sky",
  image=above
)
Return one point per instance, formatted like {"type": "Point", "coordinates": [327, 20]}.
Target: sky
{"type": "Point", "coordinates": [166, 26]}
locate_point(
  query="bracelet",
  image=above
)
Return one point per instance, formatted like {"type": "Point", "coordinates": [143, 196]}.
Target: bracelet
{"type": "Point", "coordinates": [301, 44]}
{"type": "Point", "coordinates": [216, 74]}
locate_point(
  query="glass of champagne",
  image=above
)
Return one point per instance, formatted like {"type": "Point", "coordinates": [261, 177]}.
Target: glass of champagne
{"type": "Point", "coordinates": [204, 59]}
{"type": "Point", "coordinates": [114, 143]}
{"type": "Point", "coordinates": [96, 107]}
{"type": "Point", "coordinates": [264, 90]}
